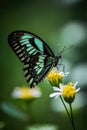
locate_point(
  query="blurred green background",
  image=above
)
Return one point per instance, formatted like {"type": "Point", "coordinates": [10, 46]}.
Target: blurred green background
{"type": "Point", "coordinates": [58, 23]}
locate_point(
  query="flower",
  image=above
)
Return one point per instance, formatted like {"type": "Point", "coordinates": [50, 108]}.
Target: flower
{"type": "Point", "coordinates": [55, 77]}
{"type": "Point", "coordinates": [67, 91]}
{"type": "Point", "coordinates": [26, 93]}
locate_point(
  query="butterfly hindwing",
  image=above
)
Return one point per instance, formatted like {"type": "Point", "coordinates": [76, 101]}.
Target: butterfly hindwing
{"type": "Point", "coordinates": [34, 53]}
{"type": "Point", "coordinates": [35, 71]}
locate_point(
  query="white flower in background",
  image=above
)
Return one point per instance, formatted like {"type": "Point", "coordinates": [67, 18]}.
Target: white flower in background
{"type": "Point", "coordinates": [26, 92]}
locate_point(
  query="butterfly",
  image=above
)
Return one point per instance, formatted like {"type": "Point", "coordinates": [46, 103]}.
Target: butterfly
{"type": "Point", "coordinates": [36, 56]}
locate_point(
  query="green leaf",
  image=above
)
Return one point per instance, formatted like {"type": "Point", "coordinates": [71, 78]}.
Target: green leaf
{"type": "Point", "coordinates": [13, 111]}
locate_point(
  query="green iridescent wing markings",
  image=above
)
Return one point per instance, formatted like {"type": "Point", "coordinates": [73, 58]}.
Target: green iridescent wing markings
{"type": "Point", "coordinates": [35, 54]}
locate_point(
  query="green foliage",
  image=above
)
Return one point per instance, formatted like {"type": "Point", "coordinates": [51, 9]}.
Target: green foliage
{"type": "Point", "coordinates": [14, 111]}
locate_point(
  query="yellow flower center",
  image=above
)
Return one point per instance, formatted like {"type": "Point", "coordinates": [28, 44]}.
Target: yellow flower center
{"type": "Point", "coordinates": [54, 77]}
{"type": "Point", "coordinates": [69, 91]}
{"type": "Point", "coordinates": [26, 93]}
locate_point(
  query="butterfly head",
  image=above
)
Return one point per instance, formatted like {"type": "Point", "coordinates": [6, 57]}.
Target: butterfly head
{"type": "Point", "coordinates": [57, 60]}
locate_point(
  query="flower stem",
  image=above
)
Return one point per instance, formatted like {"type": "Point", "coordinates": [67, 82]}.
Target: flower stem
{"type": "Point", "coordinates": [66, 109]}
{"type": "Point", "coordinates": [70, 115]}
{"type": "Point", "coordinates": [72, 120]}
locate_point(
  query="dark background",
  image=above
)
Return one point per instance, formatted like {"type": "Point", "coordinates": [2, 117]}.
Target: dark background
{"type": "Point", "coordinates": [59, 23]}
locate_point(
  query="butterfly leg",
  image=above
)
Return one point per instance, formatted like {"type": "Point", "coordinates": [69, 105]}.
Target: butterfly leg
{"type": "Point", "coordinates": [61, 67]}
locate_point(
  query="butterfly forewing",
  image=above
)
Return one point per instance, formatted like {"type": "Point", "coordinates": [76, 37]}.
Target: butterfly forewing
{"type": "Point", "coordinates": [34, 53]}
{"type": "Point", "coordinates": [24, 44]}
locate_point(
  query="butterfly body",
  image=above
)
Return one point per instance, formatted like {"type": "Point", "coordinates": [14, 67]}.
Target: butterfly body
{"type": "Point", "coordinates": [35, 54]}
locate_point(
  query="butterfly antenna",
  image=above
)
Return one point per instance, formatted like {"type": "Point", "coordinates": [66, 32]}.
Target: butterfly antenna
{"type": "Point", "coordinates": [65, 48]}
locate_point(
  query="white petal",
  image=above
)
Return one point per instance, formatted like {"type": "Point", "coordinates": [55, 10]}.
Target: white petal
{"type": "Point", "coordinates": [54, 94]}
{"type": "Point", "coordinates": [77, 89]}
{"type": "Point", "coordinates": [75, 84]}
{"type": "Point", "coordinates": [57, 96]}
{"type": "Point", "coordinates": [16, 92]}
{"type": "Point", "coordinates": [61, 87]}
{"type": "Point", "coordinates": [56, 89]}
{"type": "Point", "coordinates": [66, 73]}
{"type": "Point", "coordinates": [62, 73]}
{"type": "Point", "coordinates": [36, 92]}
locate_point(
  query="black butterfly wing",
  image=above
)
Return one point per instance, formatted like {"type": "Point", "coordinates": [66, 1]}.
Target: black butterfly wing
{"type": "Point", "coordinates": [36, 68]}
{"type": "Point", "coordinates": [34, 53]}
{"type": "Point", "coordinates": [25, 44]}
